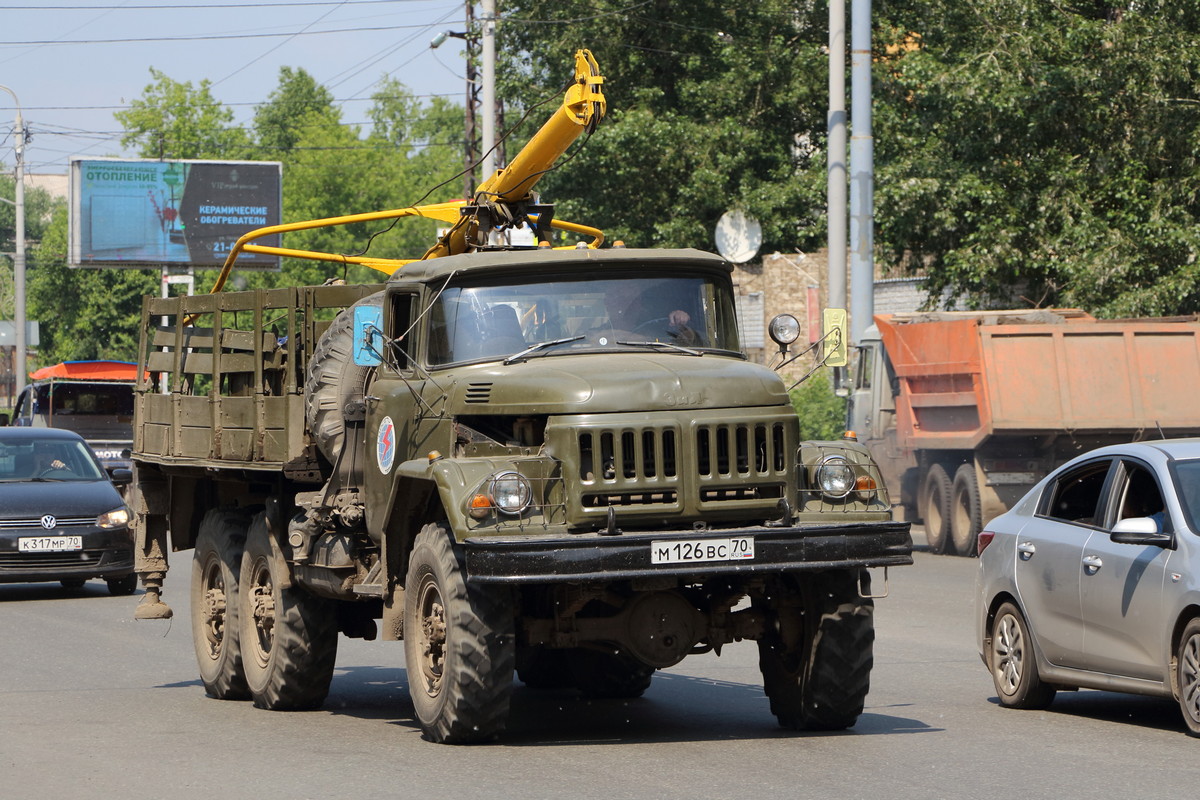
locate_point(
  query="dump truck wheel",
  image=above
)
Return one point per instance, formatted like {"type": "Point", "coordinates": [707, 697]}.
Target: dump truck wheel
{"type": "Point", "coordinates": [216, 562]}
{"type": "Point", "coordinates": [609, 675]}
{"type": "Point", "coordinates": [288, 636]}
{"type": "Point", "coordinates": [459, 645]}
{"type": "Point", "coordinates": [816, 665]}
{"type": "Point", "coordinates": [334, 380]}
{"type": "Point", "coordinates": [935, 508]}
{"type": "Point", "coordinates": [964, 511]}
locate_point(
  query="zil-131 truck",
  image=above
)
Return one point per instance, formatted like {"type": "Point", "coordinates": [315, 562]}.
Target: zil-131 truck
{"type": "Point", "coordinates": [551, 463]}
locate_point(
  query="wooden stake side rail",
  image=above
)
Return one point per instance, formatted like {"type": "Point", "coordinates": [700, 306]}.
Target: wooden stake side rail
{"type": "Point", "coordinates": [226, 373]}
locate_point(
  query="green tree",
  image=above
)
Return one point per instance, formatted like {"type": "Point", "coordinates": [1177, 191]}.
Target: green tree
{"type": "Point", "coordinates": [297, 103]}
{"type": "Point", "coordinates": [174, 120]}
{"type": "Point", "coordinates": [822, 413]}
{"type": "Point", "coordinates": [38, 206]}
{"type": "Point", "coordinates": [1042, 153]}
{"type": "Point", "coordinates": [721, 108]}
{"type": "Point", "coordinates": [83, 313]}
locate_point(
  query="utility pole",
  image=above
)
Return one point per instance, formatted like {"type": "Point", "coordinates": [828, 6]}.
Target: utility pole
{"type": "Point", "coordinates": [20, 360]}
{"type": "Point", "coordinates": [472, 150]}
{"type": "Point", "coordinates": [836, 156]}
{"type": "Point", "coordinates": [488, 106]}
{"type": "Point", "coordinates": [862, 176]}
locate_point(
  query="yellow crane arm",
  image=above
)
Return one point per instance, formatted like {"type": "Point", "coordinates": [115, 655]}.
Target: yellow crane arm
{"type": "Point", "coordinates": [581, 111]}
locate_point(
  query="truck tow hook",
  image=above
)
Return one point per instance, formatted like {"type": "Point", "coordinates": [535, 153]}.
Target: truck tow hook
{"type": "Point", "coordinates": [612, 529]}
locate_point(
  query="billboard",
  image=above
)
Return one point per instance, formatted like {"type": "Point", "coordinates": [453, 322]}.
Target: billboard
{"type": "Point", "coordinates": [139, 213]}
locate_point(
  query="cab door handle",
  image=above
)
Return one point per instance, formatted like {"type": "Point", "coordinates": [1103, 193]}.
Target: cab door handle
{"type": "Point", "coordinates": [1092, 564]}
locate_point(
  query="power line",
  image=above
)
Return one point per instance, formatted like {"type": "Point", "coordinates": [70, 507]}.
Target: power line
{"type": "Point", "coordinates": [196, 7]}
{"type": "Point", "coordinates": [209, 38]}
{"type": "Point", "coordinates": [247, 103]}
{"type": "Point", "coordinates": [280, 44]}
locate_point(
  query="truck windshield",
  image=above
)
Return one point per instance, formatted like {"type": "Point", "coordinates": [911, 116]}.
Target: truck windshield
{"type": "Point", "coordinates": [496, 320]}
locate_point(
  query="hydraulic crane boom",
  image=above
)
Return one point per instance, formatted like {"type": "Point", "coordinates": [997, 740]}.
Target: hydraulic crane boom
{"type": "Point", "coordinates": [505, 199]}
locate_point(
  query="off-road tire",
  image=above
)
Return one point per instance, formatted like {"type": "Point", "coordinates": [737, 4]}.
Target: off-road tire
{"type": "Point", "coordinates": [817, 675]}
{"type": "Point", "coordinates": [288, 636]}
{"type": "Point", "coordinates": [965, 522]}
{"type": "Point", "coordinates": [1013, 663]}
{"type": "Point", "coordinates": [609, 675]}
{"type": "Point", "coordinates": [459, 644]}
{"type": "Point", "coordinates": [334, 380]}
{"type": "Point", "coordinates": [216, 563]}
{"type": "Point", "coordinates": [935, 508]}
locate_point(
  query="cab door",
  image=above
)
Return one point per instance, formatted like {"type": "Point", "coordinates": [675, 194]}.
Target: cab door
{"type": "Point", "coordinates": [1122, 584]}
{"type": "Point", "coordinates": [1049, 550]}
{"type": "Point", "coordinates": [392, 404]}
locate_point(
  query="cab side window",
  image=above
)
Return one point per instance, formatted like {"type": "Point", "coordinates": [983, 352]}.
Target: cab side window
{"type": "Point", "coordinates": [401, 332]}
{"type": "Point", "coordinates": [1075, 497]}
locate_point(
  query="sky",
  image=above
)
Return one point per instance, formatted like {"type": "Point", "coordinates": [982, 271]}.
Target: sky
{"type": "Point", "coordinates": [72, 63]}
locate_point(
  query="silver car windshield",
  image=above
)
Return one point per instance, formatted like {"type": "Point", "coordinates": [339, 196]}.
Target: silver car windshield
{"type": "Point", "coordinates": [616, 312]}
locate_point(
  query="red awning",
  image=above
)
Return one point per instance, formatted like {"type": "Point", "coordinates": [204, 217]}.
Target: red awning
{"type": "Point", "coordinates": [89, 371]}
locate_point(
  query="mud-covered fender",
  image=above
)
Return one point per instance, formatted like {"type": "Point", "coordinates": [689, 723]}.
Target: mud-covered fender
{"type": "Point", "coordinates": [457, 480]}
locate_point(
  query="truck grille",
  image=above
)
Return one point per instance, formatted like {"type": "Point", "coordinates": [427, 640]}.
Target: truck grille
{"type": "Point", "coordinates": [739, 449]}
{"type": "Point", "coordinates": [648, 466]}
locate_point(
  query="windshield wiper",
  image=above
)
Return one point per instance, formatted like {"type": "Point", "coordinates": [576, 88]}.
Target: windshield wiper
{"type": "Point", "coordinates": [533, 348]}
{"type": "Point", "coordinates": [668, 345]}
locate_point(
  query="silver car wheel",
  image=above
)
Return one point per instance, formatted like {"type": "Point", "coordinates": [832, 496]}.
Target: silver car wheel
{"type": "Point", "coordinates": [1188, 676]}
{"type": "Point", "coordinates": [1008, 654]}
{"type": "Point", "coordinates": [1013, 664]}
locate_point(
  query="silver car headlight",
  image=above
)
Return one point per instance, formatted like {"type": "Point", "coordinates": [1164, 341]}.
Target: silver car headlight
{"type": "Point", "coordinates": [835, 477]}
{"type": "Point", "coordinates": [116, 518]}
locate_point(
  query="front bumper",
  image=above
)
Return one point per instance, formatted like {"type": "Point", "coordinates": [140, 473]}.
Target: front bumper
{"type": "Point", "coordinates": [105, 554]}
{"type": "Point", "coordinates": [593, 557]}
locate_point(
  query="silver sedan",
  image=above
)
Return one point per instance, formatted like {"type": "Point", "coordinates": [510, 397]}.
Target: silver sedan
{"type": "Point", "coordinates": [1092, 580]}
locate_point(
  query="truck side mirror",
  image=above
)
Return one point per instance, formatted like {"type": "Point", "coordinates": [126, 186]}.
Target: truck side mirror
{"type": "Point", "coordinates": [368, 335]}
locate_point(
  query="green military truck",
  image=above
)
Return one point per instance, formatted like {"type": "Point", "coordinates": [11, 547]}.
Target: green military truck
{"type": "Point", "coordinates": [553, 463]}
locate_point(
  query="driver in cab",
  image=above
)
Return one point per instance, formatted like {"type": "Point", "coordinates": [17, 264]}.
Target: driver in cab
{"type": "Point", "coordinates": [630, 310]}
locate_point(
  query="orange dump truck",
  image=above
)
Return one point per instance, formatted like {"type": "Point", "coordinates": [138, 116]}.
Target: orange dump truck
{"type": "Point", "coordinates": [965, 411]}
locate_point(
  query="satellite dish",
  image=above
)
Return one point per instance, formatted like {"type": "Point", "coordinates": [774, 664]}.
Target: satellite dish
{"type": "Point", "coordinates": [738, 236]}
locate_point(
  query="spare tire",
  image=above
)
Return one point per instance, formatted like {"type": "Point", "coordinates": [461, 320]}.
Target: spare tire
{"type": "Point", "coordinates": [334, 380]}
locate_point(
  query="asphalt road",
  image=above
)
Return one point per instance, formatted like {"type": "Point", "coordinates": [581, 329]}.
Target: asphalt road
{"type": "Point", "coordinates": [93, 704]}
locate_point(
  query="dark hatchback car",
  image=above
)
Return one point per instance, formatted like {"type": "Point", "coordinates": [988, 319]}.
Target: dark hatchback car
{"type": "Point", "coordinates": [61, 518]}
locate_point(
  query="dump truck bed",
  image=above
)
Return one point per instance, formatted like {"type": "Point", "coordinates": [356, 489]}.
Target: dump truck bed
{"type": "Point", "coordinates": [967, 378]}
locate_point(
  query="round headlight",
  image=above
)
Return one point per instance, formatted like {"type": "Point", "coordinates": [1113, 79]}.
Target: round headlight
{"type": "Point", "coordinates": [511, 492]}
{"type": "Point", "coordinates": [835, 477]}
{"type": "Point", "coordinates": [784, 329]}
